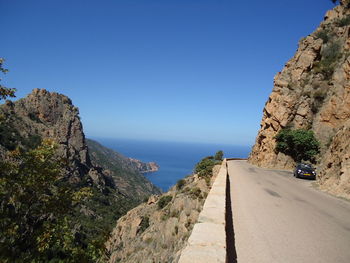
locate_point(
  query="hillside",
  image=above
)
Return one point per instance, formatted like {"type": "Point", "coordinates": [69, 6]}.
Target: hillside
{"type": "Point", "coordinates": [126, 172]}
{"type": "Point", "coordinates": [158, 230]}
{"type": "Point", "coordinates": [49, 115]}
{"type": "Point", "coordinates": [313, 92]}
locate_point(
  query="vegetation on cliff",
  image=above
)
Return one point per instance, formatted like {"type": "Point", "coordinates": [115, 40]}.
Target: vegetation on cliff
{"type": "Point", "coordinates": [124, 171]}
{"type": "Point", "coordinates": [205, 167]}
{"type": "Point", "coordinates": [36, 207]}
{"type": "Point", "coordinates": [312, 93]}
{"type": "Point", "coordinates": [4, 91]}
{"type": "Point", "coordinates": [300, 144]}
{"type": "Point", "coordinates": [157, 231]}
{"type": "Point", "coordinates": [56, 205]}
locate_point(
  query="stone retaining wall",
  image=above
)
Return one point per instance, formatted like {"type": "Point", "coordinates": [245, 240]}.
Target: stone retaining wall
{"type": "Point", "coordinates": [207, 243]}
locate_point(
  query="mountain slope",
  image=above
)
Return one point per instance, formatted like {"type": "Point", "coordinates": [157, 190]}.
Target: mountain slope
{"type": "Point", "coordinates": [313, 92]}
{"type": "Point", "coordinates": [125, 172]}
{"type": "Point", "coordinates": [158, 230]}
{"type": "Point", "coordinates": [49, 115]}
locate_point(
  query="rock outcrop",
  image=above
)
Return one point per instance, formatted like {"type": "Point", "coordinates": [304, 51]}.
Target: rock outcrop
{"type": "Point", "coordinates": [144, 167]}
{"type": "Point", "coordinates": [49, 115]}
{"type": "Point", "coordinates": [157, 231]}
{"type": "Point", "coordinates": [313, 92]}
{"type": "Point", "coordinates": [43, 114]}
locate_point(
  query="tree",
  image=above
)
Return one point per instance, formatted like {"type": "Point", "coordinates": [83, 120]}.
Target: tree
{"type": "Point", "coordinates": [35, 204]}
{"type": "Point", "coordinates": [5, 92]}
{"type": "Point", "coordinates": [219, 155]}
{"type": "Point", "coordinates": [300, 144]}
{"type": "Point", "coordinates": [205, 167]}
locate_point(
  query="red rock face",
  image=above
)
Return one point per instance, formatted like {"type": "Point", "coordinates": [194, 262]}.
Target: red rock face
{"type": "Point", "coordinates": [305, 97]}
{"type": "Point", "coordinates": [53, 116]}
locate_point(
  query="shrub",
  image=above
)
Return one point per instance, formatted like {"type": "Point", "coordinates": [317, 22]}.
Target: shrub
{"type": "Point", "coordinates": [32, 141]}
{"type": "Point", "coordinates": [35, 208]}
{"type": "Point", "coordinates": [175, 213]}
{"type": "Point", "coordinates": [319, 98]}
{"type": "Point", "coordinates": [324, 34]}
{"type": "Point", "coordinates": [204, 167]}
{"type": "Point", "coordinates": [188, 224]}
{"type": "Point", "coordinates": [345, 21]}
{"type": "Point", "coordinates": [163, 201]}
{"type": "Point", "coordinates": [10, 137]}
{"type": "Point", "coordinates": [180, 184]}
{"type": "Point", "coordinates": [165, 216]}
{"type": "Point", "coordinates": [186, 190]}
{"type": "Point", "coordinates": [195, 192]}
{"type": "Point", "coordinates": [331, 52]}
{"type": "Point", "coordinates": [300, 144]}
{"type": "Point", "coordinates": [143, 225]}
{"type": "Point", "coordinates": [148, 241]}
{"type": "Point", "coordinates": [176, 230]}
{"type": "Point", "coordinates": [34, 117]}
{"type": "Point", "coordinates": [326, 65]}
{"type": "Point", "coordinates": [219, 155]}
{"type": "Point", "coordinates": [207, 181]}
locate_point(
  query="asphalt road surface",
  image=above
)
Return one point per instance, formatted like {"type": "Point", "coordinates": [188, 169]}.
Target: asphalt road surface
{"type": "Point", "coordinates": [278, 218]}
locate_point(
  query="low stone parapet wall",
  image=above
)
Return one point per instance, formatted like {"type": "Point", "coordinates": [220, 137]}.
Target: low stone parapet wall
{"type": "Point", "coordinates": [207, 243]}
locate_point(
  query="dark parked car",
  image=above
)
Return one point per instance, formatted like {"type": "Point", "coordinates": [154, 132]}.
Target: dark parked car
{"type": "Point", "coordinates": [303, 170]}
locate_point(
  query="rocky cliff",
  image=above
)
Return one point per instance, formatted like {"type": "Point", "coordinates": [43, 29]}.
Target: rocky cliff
{"type": "Point", "coordinates": [313, 92]}
{"type": "Point", "coordinates": [48, 115]}
{"type": "Point", "coordinates": [43, 114]}
{"type": "Point", "coordinates": [157, 231]}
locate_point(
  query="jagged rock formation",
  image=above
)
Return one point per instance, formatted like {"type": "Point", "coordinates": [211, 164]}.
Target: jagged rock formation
{"type": "Point", "coordinates": [313, 92]}
{"type": "Point", "coordinates": [157, 233]}
{"type": "Point", "coordinates": [49, 115]}
{"type": "Point", "coordinates": [124, 171]}
{"type": "Point", "coordinates": [43, 114]}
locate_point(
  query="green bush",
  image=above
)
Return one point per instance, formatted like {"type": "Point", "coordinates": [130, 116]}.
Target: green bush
{"type": "Point", "coordinates": [36, 207]}
{"type": "Point", "coordinates": [143, 225]}
{"type": "Point", "coordinates": [330, 54]}
{"type": "Point", "coordinates": [324, 34]}
{"type": "Point", "coordinates": [163, 201]}
{"type": "Point", "coordinates": [205, 166]}
{"type": "Point", "coordinates": [219, 155]}
{"type": "Point", "coordinates": [10, 138]}
{"type": "Point", "coordinates": [195, 192]}
{"type": "Point", "coordinates": [180, 184]}
{"type": "Point", "coordinates": [32, 141]}
{"type": "Point", "coordinates": [344, 21]}
{"type": "Point", "coordinates": [34, 117]}
{"type": "Point", "coordinates": [300, 144]}
{"type": "Point", "coordinates": [319, 97]}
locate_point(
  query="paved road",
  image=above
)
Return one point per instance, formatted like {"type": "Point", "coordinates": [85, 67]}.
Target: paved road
{"type": "Point", "coordinates": [278, 218]}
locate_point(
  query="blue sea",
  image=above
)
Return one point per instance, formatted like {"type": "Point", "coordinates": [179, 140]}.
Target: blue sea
{"type": "Point", "coordinates": [176, 160]}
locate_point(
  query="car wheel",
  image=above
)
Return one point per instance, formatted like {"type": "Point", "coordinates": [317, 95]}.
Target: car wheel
{"type": "Point", "coordinates": [296, 175]}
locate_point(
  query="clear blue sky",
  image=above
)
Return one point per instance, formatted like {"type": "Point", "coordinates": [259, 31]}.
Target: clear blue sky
{"type": "Point", "coordinates": [176, 70]}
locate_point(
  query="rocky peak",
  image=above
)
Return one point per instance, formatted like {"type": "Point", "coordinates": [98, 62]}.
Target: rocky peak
{"type": "Point", "coordinates": [52, 115]}
{"type": "Point", "coordinates": [311, 92]}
